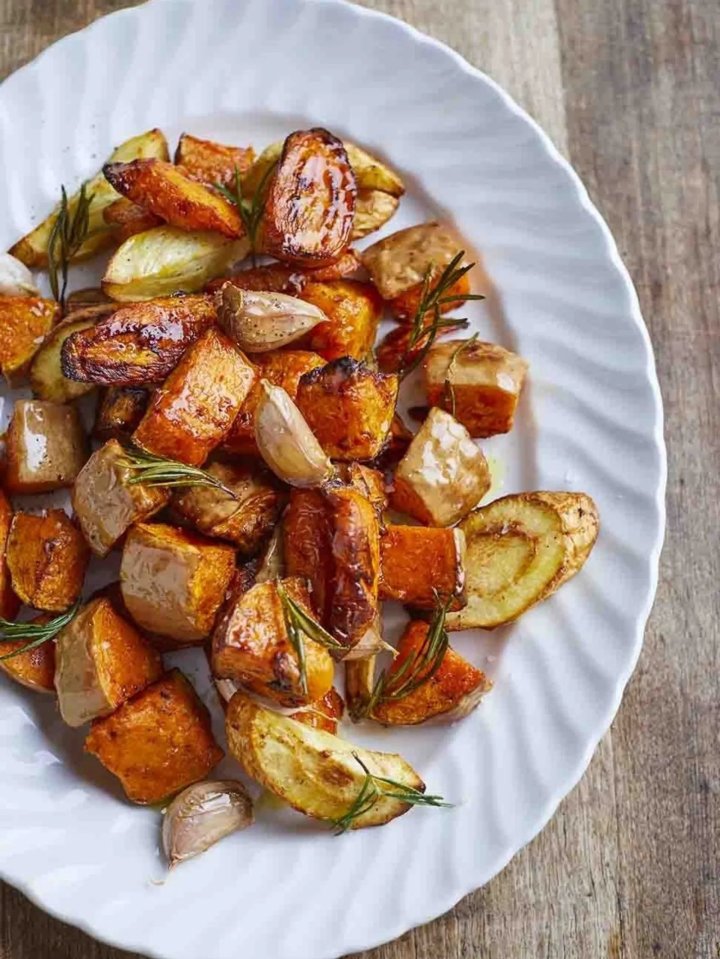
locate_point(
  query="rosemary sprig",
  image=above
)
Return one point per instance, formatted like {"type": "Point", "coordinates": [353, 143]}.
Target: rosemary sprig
{"type": "Point", "coordinates": [36, 633]}
{"type": "Point", "coordinates": [373, 789]}
{"type": "Point", "coordinates": [153, 470]}
{"type": "Point", "coordinates": [299, 625]}
{"type": "Point", "coordinates": [70, 230]}
{"type": "Point", "coordinates": [448, 388]}
{"type": "Point", "coordinates": [250, 208]}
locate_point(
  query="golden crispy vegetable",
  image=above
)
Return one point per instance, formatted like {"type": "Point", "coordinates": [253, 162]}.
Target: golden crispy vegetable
{"type": "Point", "coordinates": [247, 519]}
{"type": "Point", "coordinates": [46, 447]}
{"type": "Point", "coordinates": [194, 409]}
{"type": "Point", "coordinates": [368, 482]}
{"type": "Point", "coordinates": [373, 208]}
{"type": "Point", "coordinates": [9, 603]}
{"type": "Point", "coordinates": [443, 474]}
{"type": "Point", "coordinates": [283, 278]}
{"type": "Point", "coordinates": [106, 504]}
{"type": "Point", "coordinates": [166, 191]}
{"type": "Point", "coordinates": [25, 321]}
{"type": "Point", "coordinates": [173, 581]}
{"type": "Point", "coordinates": [307, 543]}
{"type": "Point", "coordinates": [85, 298]}
{"type": "Point", "coordinates": [32, 249]}
{"type": "Point", "coordinates": [47, 380]}
{"type": "Point", "coordinates": [406, 306]}
{"type": "Point", "coordinates": [47, 558]}
{"type": "Point", "coordinates": [119, 412]}
{"type": "Point", "coordinates": [325, 714]}
{"type": "Point", "coordinates": [485, 380]}
{"type": "Point", "coordinates": [34, 669]}
{"type": "Point", "coordinates": [210, 162]}
{"type": "Point", "coordinates": [316, 773]}
{"type": "Point", "coordinates": [167, 260]}
{"type": "Point", "coordinates": [261, 322]}
{"type": "Point", "coordinates": [349, 407]}
{"type": "Point", "coordinates": [140, 344]}
{"type": "Point", "coordinates": [127, 219]}
{"type": "Point", "coordinates": [253, 647]}
{"type": "Point", "coordinates": [399, 439]}
{"type": "Point", "coordinates": [419, 565]}
{"type": "Point", "coordinates": [353, 313]}
{"type": "Point", "coordinates": [157, 743]}
{"type": "Point", "coordinates": [310, 200]}
{"type": "Point", "coordinates": [102, 661]}
{"type": "Point", "coordinates": [371, 173]}
{"type": "Point", "coordinates": [520, 550]}
{"type": "Point", "coordinates": [399, 262]}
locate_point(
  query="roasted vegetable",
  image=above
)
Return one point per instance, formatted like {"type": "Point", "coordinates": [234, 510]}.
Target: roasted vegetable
{"type": "Point", "coordinates": [9, 603]}
{"type": "Point", "coordinates": [368, 482]}
{"type": "Point", "coordinates": [102, 661]}
{"type": "Point", "coordinates": [25, 321]}
{"type": "Point", "coordinates": [85, 298]}
{"type": "Point", "coordinates": [173, 581]}
{"type": "Point", "coordinates": [119, 412]}
{"type": "Point", "coordinates": [127, 219]}
{"type": "Point", "coordinates": [373, 208]}
{"type": "Point", "coordinates": [419, 565]}
{"type": "Point", "coordinates": [194, 409]}
{"type": "Point", "coordinates": [261, 322]}
{"type": "Point", "coordinates": [47, 379]}
{"type": "Point", "coordinates": [353, 313]}
{"type": "Point", "coordinates": [520, 550]}
{"type": "Point", "coordinates": [47, 558]}
{"type": "Point", "coordinates": [158, 742]}
{"type": "Point", "coordinates": [212, 163]}
{"type": "Point", "coordinates": [46, 447]}
{"type": "Point", "coordinates": [34, 669]}
{"type": "Point", "coordinates": [139, 344]}
{"type": "Point", "coordinates": [402, 348]}
{"type": "Point", "coordinates": [15, 278]}
{"type": "Point", "coordinates": [283, 278]}
{"type": "Point", "coordinates": [371, 173]}
{"type": "Point", "coordinates": [307, 542]}
{"type": "Point", "coordinates": [325, 714]}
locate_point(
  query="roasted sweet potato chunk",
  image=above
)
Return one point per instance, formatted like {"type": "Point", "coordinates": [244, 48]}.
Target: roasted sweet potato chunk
{"type": "Point", "coordinates": [47, 558]}
{"type": "Point", "coordinates": [119, 412]}
{"type": "Point", "coordinates": [324, 714]}
{"type": "Point", "coordinates": [127, 219]}
{"type": "Point", "coordinates": [158, 742]}
{"type": "Point", "coordinates": [367, 481]}
{"type": "Point", "coordinates": [25, 321]}
{"type": "Point", "coordinates": [9, 603]}
{"type": "Point", "coordinates": [173, 581]}
{"type": "Point", "coordinates": [353, 310]}
{"type": "Point", "coordinates": [138, 345]}
{"type": "Point", "coordinates": [397, 351]}
{"type": "Point", "coordinates": [349, 407]}
{"type": "Point", "coordinates": [102, 661]}
{"type": "Point", "coordinates": [310, 201]}
{"type": "Point", "coordinates": [34, 669]}
{"type": "Point", "coordinates": [46, 447]}
{"type": "Point", "coordinates": [282, 278]}
{"type": "Point", "coordinates": [307, 544]}
{"type": "Point", "coordinates": [210, 162]}
{"type": "Point", "coordinates": [419, 565]}
{"type": "Point", "coordinates": [166, 191]}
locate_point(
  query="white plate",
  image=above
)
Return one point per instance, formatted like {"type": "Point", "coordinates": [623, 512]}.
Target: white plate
{"type": "Point", "coordinates": [251, 71]}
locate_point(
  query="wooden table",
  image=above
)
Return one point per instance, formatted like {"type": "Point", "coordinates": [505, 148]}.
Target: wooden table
{"type": "Point", "coordinates": [630, 866]}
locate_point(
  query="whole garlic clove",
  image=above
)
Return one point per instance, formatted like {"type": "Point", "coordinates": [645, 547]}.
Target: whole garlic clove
{"type": "Point", "coordinates": [15, 278]}
{"type": "Point", "coordinates": [202, 815]}
{"type": "Point", "coordinates": [286, 442]}
{"type": "Point", "coordinates": [259, 322]}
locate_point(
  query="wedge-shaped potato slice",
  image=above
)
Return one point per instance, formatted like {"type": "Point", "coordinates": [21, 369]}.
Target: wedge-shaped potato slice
{"type": "Point", "coordinates": [353, 310]}
{"type": "Point", "coordinates": [127, 219]}
{"type": "Point", "coordinates": [373, 208]}
{"type": "Point", "coordinates": [46, 447]}
{"type": "Point", "coordinates": [165, 190]}
{"type": "Point", "coordinates": [310, 201]}
{"type": "Point", "coordinates": [419, 564]}
{"type": "Point", "coordinates": [9, 603]}
{"type": "Point", "coordinates": [252, 646]}
{"type": "Point", "coordinates": [485, 379]}
{"type": "Point", "coordinates": [193, 411]}
{"type": "Point", "coordinates": [316, 773]}
{"type": "Point", "coordinates": [119, 412]}
{"type": "Point", "coordinates": [210, 162]}
{"type": "Point", "coordinates": [32, 249]}
{"type": "Point", "coordinates": [443, 475]}
{"type": "Point", "coordinates": [138, 345]}
{"type": "Point", "coordinates": [283, 278]}
{"type": "Point", "coordinates": [520, 550]}
{"type": "Point", "coordinates": [371, 173]}
{"type": "Point", "coordinates": [173, 581]}
{"type": "Point", "coordinates": [167, 260]}
{"type": "Point", "coordinates": [47, 380]}
{"type": "Point", "coordinates": [106, 504]}
{"type": "Point", "coordinates": [102, 661]}
{"type": "Point", "coordinates": [245, 519]}
{"type": "Point", "coordinates": [158, 742]}
{"type": "Point", "coordinates": [34, 669]}
{"type": "Point", "coordinates": [25, 321]}
{"type": "Point", "coordinates": [324, 714]}
{"type": "Point", "coordinates": [47, 558]}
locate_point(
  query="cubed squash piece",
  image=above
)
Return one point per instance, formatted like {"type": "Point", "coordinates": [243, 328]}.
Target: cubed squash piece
{"type": "Point", "coordinates": [252, 647]}
{"type": "Point", "coordinates": [102, 660]}
{"type": "Point", "coordinates": [119, 412]}
{"type": "Point", "coordinates": [349, 408]}
{"type": "Point", "coordinates": [25, 321]}
{"type": "Point", "coordinates": [34, 669]}
{"type": "Point", "coordinates": [443, 475]}
{"type": "Point", "coordinates": [195, 408]}
{"type": "Point", "coordinates": [485, 379]}
{"type": "Point", "coordinates": [420, 565]}
{"type": "Point", "coordinates": [47, 558]}
{"type": "Point", "coordinates": [212, 163]}
{"type": "Point", "coordinates": [307, 545]}
{"type": "Point", "coordinates": [174, 581]}
{"type": "Point", "coordinates": [158, 742]}
{"type": "Point", "coordinates": [46, 447]}
{"type": "Point", "coordinates": [324, 714]}
{"type": "Point", "coordinates": [9, 603]}
{"type": "Point", "coordinates": [353, 310]}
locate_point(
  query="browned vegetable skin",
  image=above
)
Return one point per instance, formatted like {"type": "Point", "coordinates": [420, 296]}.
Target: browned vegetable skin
{"type": "Point", "coordinates": [119, 412]}
{"type": "Point", "coordinates": [324, 714]}
{"type": "Point", "coordinates": [47, 558]}
{"type": "Point", "coordinates": [25, 321]}
{"type": "Point", "coordinates": [46, 447]}
{"type": "Point", "coordinates": [211, 163]}
{"type": "Point", "coordinates": [47, 380]}
{"type": "Point", "coordinates": [9, 603]}
{"type": "Point", "coordinates": [127, 218]}
{"type": "Point", "coordinates": [34, 669]}
{"type": "Point", "coordinates": [284, 278]}
{"type": "Point", "coordinates": [353, 310]}
{"type": "Point", "coordinates": [307, 541]}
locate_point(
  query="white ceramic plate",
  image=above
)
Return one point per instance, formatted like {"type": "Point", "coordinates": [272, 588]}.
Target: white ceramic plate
{"type": "Point", "coordinates": [250, 71]}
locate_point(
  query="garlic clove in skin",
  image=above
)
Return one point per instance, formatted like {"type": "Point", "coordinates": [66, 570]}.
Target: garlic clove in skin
{"type": "Point", "coordinates": [259, 322]}
{"type": "Point", "coordinates": [15, 278]}
{"type": "Point", "coordinates": [202, 815]}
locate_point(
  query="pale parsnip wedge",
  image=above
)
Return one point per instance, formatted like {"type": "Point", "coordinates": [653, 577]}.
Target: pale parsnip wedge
{"type": "Point", "coordinates": [373, 208]}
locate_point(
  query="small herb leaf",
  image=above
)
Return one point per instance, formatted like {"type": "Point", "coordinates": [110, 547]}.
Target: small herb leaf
{"type": "Point", "coordinates": [70, 230]}
{"type": "Point", "coordinates": [157, 471]}
{"type": "Point", "coordinates": [36, 634]}
{"type": "Point", "coordinates": [250, 208]}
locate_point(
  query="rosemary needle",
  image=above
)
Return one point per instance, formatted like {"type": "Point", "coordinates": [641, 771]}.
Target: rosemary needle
{"type": "Point", "coordinates": [299, 624]}
{"type": "Point", "coordinates": [36, 633]}
{"type": "Point", "coordinates": [153, 470]}
{"type": "Point", "coordinates": [250, 208]}
{"type": "Point", "coordinates": [70, 230]}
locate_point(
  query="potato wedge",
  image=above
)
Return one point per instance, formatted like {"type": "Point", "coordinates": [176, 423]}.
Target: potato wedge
{"type": "Point", "coordinates": [34, 669]}
{"type": "Point", "coordinates": [119, 412]}
{"type": "Point", "coordinates": [193, 411]}
{"type": "Point", "coordinates": [353, 310]}
{"type": "Point", "coordinates": [167, 260]}
{"type": "Point", "coordinates": [127, 219]}
{"type": "Point", "coordinates": [324, 714]}
{"type": "Point", "coordinates": [165, 190]}
{"type": "Point", "coordinates": [47, 380]}
{"type": "Point", "coordinates": [32, 249]}
{"type": "Point", "coordinates": [520, 550]}
{"type": "Point", "coordinates": [371, 173]}
{"type": "Point", "coordinates": [373, 209]}
{"type": "Point", "coordinates": [106, 504]}
{"type": "Point", "coordinates": [310, 201]}
{"type": "Point", "coordinates": [47, 558]}
{"type": "Point", "coordinates": [158, 742]}
{"type": "Point", "coordinates": [419, 564]}
{"type": "Point", "coordinates": [282, 278]}
{"type": "Point", "coordinates": [316, 773]}
{"type": "Point", "coordinates": [46, 447]}
{"type": "Point", "coordinates": [25, 321]}
{"type": "Point", "coordinates": [9, 603]}
{"type": "Point", "coordinates": [212, 163]}
{"type": "Point", "coordinates": [102, 661]}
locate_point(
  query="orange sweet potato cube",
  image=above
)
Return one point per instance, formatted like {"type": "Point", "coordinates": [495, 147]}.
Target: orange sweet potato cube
{"type": "Point", "coordinates": [307, 544]}
{"type": "Point", "coordinates": [47, 558]}
{"type": "Point", "coordinates": [419, 564]}
{"type": "Point", "coordinates": [9, 603]}
{"type": "Point", "coordinates": [353, 311]}
{"type": "Point", "coordinates": [25, 321]}
{"type": "Point", "coordinates": [34, 669]}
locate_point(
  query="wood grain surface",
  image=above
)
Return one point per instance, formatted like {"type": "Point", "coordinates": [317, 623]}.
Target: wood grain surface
{"type": "Point", "coordinates": [629, 867]}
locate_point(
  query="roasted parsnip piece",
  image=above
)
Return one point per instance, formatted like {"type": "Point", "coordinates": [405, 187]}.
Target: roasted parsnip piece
{"type": "Point", "coordinates": [47, 380]}
{"type": "Point", "coordinates": [419, 565]}
{"type": "Point", "coordinates": [349, 407]}
{"type": "Point", "coordinates": [371, 173]}
{"type": "Point", "coordinates": [325, 714]}
{"type": "Point", "coordinates": [47, 558]}
{"type": "Point", "coordinates": [106, 503]}
{"type": "Point", "coordinates": [482, 380]}
{"type": "Point", "coordinates": [102, 661]}
{"type": "Point", "coordinates": [119, 412]}
{"type": "Point", "coordinates": [194, 409]}
{"type": "Point", "coordinates": [9, 603]}
{"type": "Point", "coordinates": [373, 208]}
{"type": "Point", "coordinates": [25, 321]}
{"type": "Point", "coordinates": [353, 313]}
{"type": "Point", "coordinates": [212, 163]}
{"type": "Point", "coordinates": [34, 669]}
{"type": "Point", "coordinates": [520, 550]}
{"type": "Point", "coordinates": [158, 742]}
{"type": "Point", "coordinates": [173, 581]}
{"type": "Point", "coordinates": [127, 219]}
{"type": "Point", "coordinates": [46, 447]}
{"type": "Point", "coordinates": [283, 278]}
